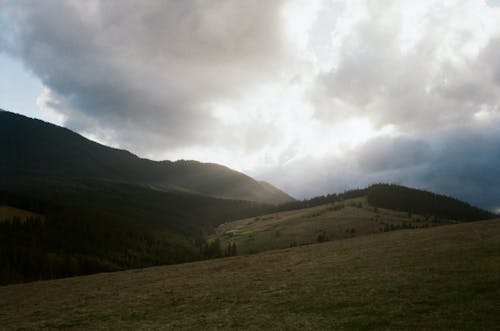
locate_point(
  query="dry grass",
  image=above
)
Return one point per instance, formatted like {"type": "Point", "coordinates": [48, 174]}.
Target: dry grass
{"type": "Point", "coordinates": [336, 221]}
{"type": "Point", "coordinates": [438, 278]}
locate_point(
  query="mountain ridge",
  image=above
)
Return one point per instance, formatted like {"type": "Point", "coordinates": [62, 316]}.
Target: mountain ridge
{"type": "Point", "coordinates": [34, 147]}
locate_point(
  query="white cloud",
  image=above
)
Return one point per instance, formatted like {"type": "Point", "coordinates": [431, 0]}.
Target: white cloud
{"type": "Point", "coordinates": [411, 64]}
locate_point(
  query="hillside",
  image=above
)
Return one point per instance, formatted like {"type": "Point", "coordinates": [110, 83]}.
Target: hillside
{"type": "Point", "coordinates": [401, 198]}
{"type": "Point", "coordinates": [378, 208]}
{"type": "Point", "coordinates": [95, 225]}
{"type": "Point", "coordinates": [91, 228]}
{"type": "Point", "coordinates": [412, 200]}
{"type": "Point", "coordinates": [105, 209]}
{"type": "Point", "coordinates": [31, 148]}
{"type": "Point", "coordinates": [442, 278]}
{"type": "Point", "coordinates": [329, 222]}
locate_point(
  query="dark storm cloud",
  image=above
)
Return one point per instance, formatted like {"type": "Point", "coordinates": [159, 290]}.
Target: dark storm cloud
{"type": "Point", "coordinates": [382, 154]}
{"type": "Point", "coordinates": [145, 72]}
{"type": "Point", "coordinates": [463, 163]}
{"type": "Point", "coordinates": [468, 167]}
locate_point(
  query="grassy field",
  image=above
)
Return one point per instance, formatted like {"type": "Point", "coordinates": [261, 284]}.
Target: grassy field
{"type": "Point", "coordinates": [440, 278]}
{"type": "Point", "coordinates": [333, 221]}
{"type": "Point", "coordinates": [8, 213]}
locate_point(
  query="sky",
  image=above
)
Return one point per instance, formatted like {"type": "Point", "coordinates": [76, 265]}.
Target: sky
{"type": "Point", "coordinates": [314, 96]}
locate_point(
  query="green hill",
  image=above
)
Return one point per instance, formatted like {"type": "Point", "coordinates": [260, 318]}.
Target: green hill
{"type": "Point", "coordinates": [442, 278]}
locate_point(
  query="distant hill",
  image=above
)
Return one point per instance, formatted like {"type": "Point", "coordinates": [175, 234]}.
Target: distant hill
{"type": "Point", "coordinates": [378, 208]}
{"type": "Point", "coordinates": [33, 148]}
{"type": "Point", "coordinates": [412, 200]}
{"type": "Point", "coordinates": [401, 198]}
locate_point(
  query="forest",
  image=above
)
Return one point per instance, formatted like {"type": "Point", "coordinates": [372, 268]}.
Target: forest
{"type": "Point", "coordinates": [75, 239]}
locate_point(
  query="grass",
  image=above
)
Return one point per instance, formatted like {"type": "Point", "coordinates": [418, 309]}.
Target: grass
{"type": "Point", "coordinates": [8, 213]}
{"type": "Point", "coordinates": [441, 278]}
{"type": "Point", "coordinates": [333, 221]}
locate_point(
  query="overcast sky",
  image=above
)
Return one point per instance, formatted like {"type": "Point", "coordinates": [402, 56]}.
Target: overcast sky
{"type": "Point", "coordinates": [312, 96]}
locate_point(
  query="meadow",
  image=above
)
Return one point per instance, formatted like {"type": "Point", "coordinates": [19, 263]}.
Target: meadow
{"type": "Point", "coordinates": [438, 278]}
{"type": "Point", "coordinates": [331, 221]}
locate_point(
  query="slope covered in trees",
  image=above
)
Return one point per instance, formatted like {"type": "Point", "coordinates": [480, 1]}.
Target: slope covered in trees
{"type": "Point", "coordinates": [401, 198]}
{"type": "Point", "coordinates": [109, 228]}
{"type": "Point", "coordinates": [411, 200]}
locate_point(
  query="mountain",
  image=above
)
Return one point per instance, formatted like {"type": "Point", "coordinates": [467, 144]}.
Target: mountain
{"type": "Point", "coordinates": [31, 148]}
{"type": "Point", "coordinates": [72, 206]}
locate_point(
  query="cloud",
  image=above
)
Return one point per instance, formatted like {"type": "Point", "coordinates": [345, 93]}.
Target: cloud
{"type": "Point", "coordinates": [149, 73]}
{"type": "Point", "coordinates": [468, 166]}
{"type": "Point", "coordinates": [382, 154]}
{"type": "Point", "coordinates": [315, 96]}
{"type": "Point", "coordinates": [416, 65]}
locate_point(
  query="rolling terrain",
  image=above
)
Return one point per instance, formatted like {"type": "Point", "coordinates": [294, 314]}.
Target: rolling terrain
{"type": "Point", "coordinates": [91, 227]}
{"type": "Point", "coordinates": [440, 278]}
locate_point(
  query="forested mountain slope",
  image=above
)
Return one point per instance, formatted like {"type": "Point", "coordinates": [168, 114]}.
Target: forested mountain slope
{"type": "Point", "coordinates": [31, 148]}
